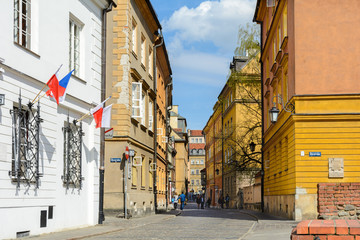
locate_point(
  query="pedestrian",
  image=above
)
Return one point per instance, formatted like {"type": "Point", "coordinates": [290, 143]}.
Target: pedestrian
{"type": "Point", "coordinates": [202, 201]}
{"type": "Point", "coordinates": [198, 200]}
{"type": "Point", "coordinates": [221, 201]}
{"type": "Point", "coordinates": [227, 200]}
{"type": "Point", "coordinates": [182, 200]}
{"type": "Point", "coordinates": [208, 202]}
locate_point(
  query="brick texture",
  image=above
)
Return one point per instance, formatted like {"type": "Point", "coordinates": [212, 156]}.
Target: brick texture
{"type": "Point", "coordinates": [339, 200]}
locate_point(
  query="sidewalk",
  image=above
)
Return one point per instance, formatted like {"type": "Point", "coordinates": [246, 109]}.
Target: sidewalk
{"type": "Point", "coordinates": [268, 227]}
{"type": "Point", "coordinates": [110, 225]}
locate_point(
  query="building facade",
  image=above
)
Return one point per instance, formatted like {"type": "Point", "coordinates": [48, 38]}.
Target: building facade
{"type": "Point", "coordinates": [181, 142]}
{"type": "Point", "coordinates": [213, 155]}
{"type": "Point", "coordinates": [197, 160]}
{"type": "Point", "coordinates": [308, 75]}
{"type": "Point", "coordinates": [49, 163]}
{"type": "Point", "coordinates": [131, 83]}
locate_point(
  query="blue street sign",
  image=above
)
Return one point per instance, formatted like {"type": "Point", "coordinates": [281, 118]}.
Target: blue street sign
{"type": "Point", "coordinates": [115, 159]}
{"type": "Point", "coordinates": [314, 154]}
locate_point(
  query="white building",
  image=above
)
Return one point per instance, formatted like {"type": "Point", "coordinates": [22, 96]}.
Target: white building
{"type": "Point", "coordinates": [56, 186]}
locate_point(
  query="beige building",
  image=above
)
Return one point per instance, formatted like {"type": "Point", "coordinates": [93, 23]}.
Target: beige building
{"type": "Point", "coordinates": [197, 160]}
{"type": "Point", "coordinates": [180, 136]}
{"type": "Point", "coordinates": [130, 81]}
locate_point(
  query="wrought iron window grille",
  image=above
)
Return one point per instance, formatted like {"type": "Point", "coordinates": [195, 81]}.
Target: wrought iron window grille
{"type": "Point", "coordinates": [73, 135]}
{"type": "Point", "coordinates": [25, 144]}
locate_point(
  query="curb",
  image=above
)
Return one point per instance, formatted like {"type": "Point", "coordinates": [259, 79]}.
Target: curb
{"type": "Point", "coordinates": [251, 215]}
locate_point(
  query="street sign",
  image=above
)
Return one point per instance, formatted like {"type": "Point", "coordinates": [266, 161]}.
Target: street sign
{"type": "Point", "coordinates": [127, 152]}
{"type": "Point", "coordinates": [115, 160]}
{"type": "Point", "coordinates": [109, 133]}
{"type": "Point", "coordinates": [131, 152]}
{"type": "Point", "coordinates": [314, 154]}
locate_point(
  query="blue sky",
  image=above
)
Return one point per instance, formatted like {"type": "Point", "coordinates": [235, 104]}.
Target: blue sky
{"type": "Point", "coordinates": [200, 37]}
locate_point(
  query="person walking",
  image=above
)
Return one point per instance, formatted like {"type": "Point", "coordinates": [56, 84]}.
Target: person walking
{"type": "Point", "coordinates": [221, 201]}
{"type": "Point", "coordinates": [202, 201]}
{"type": "Point", "coordinates": [182, 200]}
{"type": "Point", "coordinates": [198, 200]}
{"type": "Point", "coordinates": [227, 200]}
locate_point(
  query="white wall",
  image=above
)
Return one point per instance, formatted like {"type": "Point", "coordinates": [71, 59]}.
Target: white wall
{"type": "Point", "coordinates": [20, 208]}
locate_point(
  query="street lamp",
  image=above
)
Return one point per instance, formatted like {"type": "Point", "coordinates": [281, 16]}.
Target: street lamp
{"type": "Point", "coordinates": [217, 171]}
{"type": "Point", "coordinates": [274, 111]}
{"type": "Point", "coordinates": [252, 146]}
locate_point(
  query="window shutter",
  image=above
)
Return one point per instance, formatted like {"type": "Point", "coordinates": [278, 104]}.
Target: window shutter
{"type": "Point", "coordinates": [136, 99]}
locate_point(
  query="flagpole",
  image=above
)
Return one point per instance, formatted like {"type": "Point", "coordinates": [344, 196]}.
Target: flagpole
{"type": "Point", "coordinates": [32, 102]}
{"type": "Point", "coordinates": [87, 114]}
{"type": "Point", "coordinates": [39, 98]}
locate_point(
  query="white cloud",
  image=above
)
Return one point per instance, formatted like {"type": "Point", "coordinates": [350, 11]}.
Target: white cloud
{"type": "Point", "coordinates": [214, 21]}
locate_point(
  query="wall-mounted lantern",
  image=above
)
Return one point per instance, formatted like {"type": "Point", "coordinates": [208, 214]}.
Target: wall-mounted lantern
{"type": "Point", "coordinates": [274, 111]}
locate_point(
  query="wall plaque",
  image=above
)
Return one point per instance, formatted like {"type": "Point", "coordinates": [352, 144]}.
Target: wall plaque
{"type": "Point", "coordinates": [336, 167]}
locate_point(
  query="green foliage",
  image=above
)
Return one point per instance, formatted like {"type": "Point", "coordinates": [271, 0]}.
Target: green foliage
{"type": "Point", "coordinates": [248, 40]}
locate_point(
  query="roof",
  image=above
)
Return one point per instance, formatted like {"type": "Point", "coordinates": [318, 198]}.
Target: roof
{"type": "Point", "coordinates": [196, 133]}
{"type": "Point", "coordinates": [197, 145]}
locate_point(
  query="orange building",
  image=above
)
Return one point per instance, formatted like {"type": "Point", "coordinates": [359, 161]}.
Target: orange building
{"type": "Point", "coordinates": [213, 156]}
{"type": "Point", "coordinates": [310, 72]}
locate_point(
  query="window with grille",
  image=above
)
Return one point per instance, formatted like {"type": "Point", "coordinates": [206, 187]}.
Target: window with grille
{"type": "Point", "coordinates": [72, 155]}
{"type": "Point", "coordinates": [74, 47]}
{"type": "Point", "coordinates": [136, 99]}
{"type": "Point", "coordinates": [22, 22]}
{"type": "Point", "coordinates": [25, 144]}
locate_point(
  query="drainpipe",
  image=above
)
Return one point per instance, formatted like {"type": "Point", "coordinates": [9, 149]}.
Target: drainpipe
{"type": "Point", "coordinates": [262, 123]}
{"type": "Point", "coordinates": [101, 216]}
{"type": "Point", "coordinates": [167, 135]}
{"type": "Point", "coordinates": [155, 115]}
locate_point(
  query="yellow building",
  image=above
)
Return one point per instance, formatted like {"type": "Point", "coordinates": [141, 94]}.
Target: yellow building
{"type": "Point", "coordinates": [179, 134]}
{"type": "Point", "coordinates": [130, 81]}
{"type": "Point", "coordinates": [213, 155]}
{"type": "Point", "coordinates": [309, 72]}
{"type": "Point", "coordinates": [197, 160]}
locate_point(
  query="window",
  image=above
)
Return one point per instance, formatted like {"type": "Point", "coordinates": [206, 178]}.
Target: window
{"type": "Point", "coordinates": [196, 140]}
{"type": "Point", "coordinates": [133, 36]}
{"type": "Point", "coordinates": [25, 145]}
{"type": "Point", "coordinates": [192, 171]}
{"type": "Point", "coordinates": [142, 109]}
{"type": "Point", "coordinates": [192, 140]}
{"type": "Point", "coordinates": [151, 119]}
{"type": "Point", "coordinates": [285, 20]}
{"type": "Point", "coordinates": [200, 140]}
{"type": "Point", "coordinates": [197, 162]}
{"type": "Point", "coordinates": [151, 178]}
{"type": "Point", "coordinates": [134, 175]}
{"type": "Point", "coordinates": [150, 61]}
{"type": "Point", "coordinates": [143, 172]}
{"type": "Point", "coordinates": [197, 171]}
{"type": "Point", "coordinates": [136, 99]}
{"type": "Point", "coordinates": [192, 161]}
{"type": "Point", "coordinates": [143, 50]}
{"type": "Point", "coordinates": [192, 182]}
{"type": "Point", "coordinates": [197, 182]}
{"type": "Point", "coordinates": [201, 161]}
{"type": "Point", "coordinates": [72, 154]}
{"type": "Point", "coordinates": [74, 47]}
{"type": "Point", "coordinates": [22, 22]}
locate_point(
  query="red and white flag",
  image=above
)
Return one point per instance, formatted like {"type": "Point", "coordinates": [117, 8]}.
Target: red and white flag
{"type": "Point", "coordinates": [102, 116]}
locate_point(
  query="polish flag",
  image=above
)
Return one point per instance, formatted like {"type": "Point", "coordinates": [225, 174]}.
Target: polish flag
{"type": "Point", "coordinates": [102, 116]}
{"type": "Point", "coordinates": [58, 91]}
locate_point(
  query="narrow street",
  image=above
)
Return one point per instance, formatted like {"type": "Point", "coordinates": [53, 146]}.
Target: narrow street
{"type": "Point", "coordinates": [191, 223]}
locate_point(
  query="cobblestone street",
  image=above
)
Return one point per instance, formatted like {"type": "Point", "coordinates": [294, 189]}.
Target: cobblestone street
{"type": "Point", "coordinates": [191, 223]}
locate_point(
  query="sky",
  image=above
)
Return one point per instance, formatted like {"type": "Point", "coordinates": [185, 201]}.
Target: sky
{"type": "Point", "coordinates": [200, 38]}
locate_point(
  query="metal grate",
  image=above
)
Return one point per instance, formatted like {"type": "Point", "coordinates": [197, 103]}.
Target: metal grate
{"type": "Point", "coordinates": [25, 144]}
{"type": "Point", "coordinates": [72, 154]}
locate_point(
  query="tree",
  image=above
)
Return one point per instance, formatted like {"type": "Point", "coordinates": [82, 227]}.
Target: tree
{"type": "Point", "coordinates": [245, 84]}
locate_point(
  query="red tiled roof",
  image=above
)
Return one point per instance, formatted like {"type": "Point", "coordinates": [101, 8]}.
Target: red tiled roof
{"type": "Point", "coordinates": [197, 145]}
{"type": "Point", "coordinates": [195, 133]}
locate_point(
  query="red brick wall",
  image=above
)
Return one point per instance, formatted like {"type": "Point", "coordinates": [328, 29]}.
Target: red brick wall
{"type": "Point", "coordinates": [327, 230]}
{"type": "Point", "coordinates": [339, 200]}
